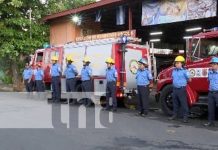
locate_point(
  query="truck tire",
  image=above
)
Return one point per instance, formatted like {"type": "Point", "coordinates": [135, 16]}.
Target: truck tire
{"type": "Point", "coordinates": [130, 102]}
{"type": "Point", "coordinates": [166, 100]}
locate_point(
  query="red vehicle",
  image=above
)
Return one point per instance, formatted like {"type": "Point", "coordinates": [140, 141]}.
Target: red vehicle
{"type": "Point", "coordinates": [201, 48]}
{"type": "Point", "coordinates": [125, 56]}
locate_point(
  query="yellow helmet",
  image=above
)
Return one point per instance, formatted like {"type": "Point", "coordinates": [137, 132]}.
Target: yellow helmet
{"type": "Point", "coordinates": [55, 58]}
{"type": "Point", "coordinates": [86, 59]}
{"type": "Point", "coordinates": [180, 59]}
{"type": "Point", "coordinates": [109, 60]}
{"type": "Point", "coordinates": [69, 58]}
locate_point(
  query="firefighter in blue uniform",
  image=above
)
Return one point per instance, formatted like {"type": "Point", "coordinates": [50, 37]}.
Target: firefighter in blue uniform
{"type": "Point", "coordinates": [144, 81]}
{"type": "Point", "coordinates": [55, 80]}
{"type": "Point", "coordinates": [27, 78]}
{"type": "Point", "coordinates": [111, 77]}
{"type": "Point", "coordinates": [180, 78]}
{"type": "Point", "coordinates": [86, 77]}
{"type": "Point", "coordinates": [70, 74]}
{"type": "Point", "coordinates": [213, 91]}
{"type": "Point", "coordinates": [39, 76]}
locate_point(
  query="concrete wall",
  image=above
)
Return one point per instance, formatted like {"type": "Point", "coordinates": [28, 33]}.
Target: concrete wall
{"type": "Point", "coordinates": [64, 30]}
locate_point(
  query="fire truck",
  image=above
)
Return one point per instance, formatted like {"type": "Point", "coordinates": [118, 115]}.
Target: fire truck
{"type": "Point", "coordinates": [125, 55]}
{"type": "Point", "coordinates": [200, 49]}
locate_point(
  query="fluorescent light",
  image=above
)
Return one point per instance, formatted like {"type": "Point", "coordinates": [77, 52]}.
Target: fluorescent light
{"type": "Point", "coordinates": [156, 33]}
{"type": "Point", "coordinates": [155, 40]}
{"type": "Point", "coordinates": [193, 29]}
{"type": "Point", "coordinates": [187, 37]}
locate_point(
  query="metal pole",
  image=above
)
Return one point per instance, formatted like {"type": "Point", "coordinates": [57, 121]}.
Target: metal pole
{"type": "Point", "coordinates": [30, 17]}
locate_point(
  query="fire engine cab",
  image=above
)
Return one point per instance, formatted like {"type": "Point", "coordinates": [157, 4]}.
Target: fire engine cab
{"type": "Point", "coordinates": [201, 48]}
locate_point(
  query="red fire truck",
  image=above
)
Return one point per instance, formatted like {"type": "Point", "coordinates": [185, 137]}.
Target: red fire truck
{"type": "Point", "coordinates": [125, 56]}
{"type": "Point", "coordinates": [201, 48]}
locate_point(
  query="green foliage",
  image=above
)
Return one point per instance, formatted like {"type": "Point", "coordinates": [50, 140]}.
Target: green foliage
{"type": "Point", "coordinates": [6, 79]}
{"type": "Point", "coordinates": [60, 5]}
{"type": "Point", "coordinates": [20, 36]}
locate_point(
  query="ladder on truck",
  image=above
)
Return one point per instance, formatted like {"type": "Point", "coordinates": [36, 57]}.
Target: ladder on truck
{"type": "Point", "coordinates": [153, 62]}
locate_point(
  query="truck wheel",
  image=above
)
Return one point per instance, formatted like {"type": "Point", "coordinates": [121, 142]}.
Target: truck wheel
{"type": "Point", "coordinates": [103, 101]}
{"type": "Point", "coordinates": [166, 100]}
{"type": "Point", "coordinates": [130, 102]}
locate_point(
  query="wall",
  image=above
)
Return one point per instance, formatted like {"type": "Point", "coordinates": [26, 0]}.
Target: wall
{"type": "Point", "coordinates": [63, 30]}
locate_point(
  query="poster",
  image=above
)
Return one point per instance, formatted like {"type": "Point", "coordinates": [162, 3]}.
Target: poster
{"type": "Point", "coordinates": [167, 11]}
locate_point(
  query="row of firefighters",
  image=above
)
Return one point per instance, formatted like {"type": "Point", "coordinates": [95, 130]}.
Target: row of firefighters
{"type": "Point", "coordinates": [144, 81]}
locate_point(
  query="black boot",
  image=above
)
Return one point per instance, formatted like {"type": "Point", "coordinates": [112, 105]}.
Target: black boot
{"type": "Point", "coordinates": [209, 124]}
{"type": "Point", "coordinates": [174, 117]}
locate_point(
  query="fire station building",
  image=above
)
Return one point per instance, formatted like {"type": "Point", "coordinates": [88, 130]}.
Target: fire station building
{"type": "Point", "coordinates": [165, 23]}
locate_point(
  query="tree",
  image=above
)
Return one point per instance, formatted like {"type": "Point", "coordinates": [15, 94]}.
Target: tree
{"type": "Point", "coordinates": [22, 31]}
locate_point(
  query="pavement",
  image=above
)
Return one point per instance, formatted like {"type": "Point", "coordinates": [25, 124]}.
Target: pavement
{"type": "Point", "coordinates": [34, 124]}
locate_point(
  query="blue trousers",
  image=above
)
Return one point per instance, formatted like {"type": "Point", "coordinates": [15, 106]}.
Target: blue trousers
{"type": "Point", "coordinates": [28, 85]}
{"type": "Point", "coordinates": [143, 98]}
{"type": "Point", "coordinates": [180, 100]}
{"type": "Point", "coordinates": [87, 87]}
{"type": "Point", "coordinates": [71, 85]}
{"type": "Point", "coordinates": [56, 90]}
{"type": "Point", "coordinates": [39, 86]}
{"type": "Point", "coordinates": [212, 103]}
{"type": "Point", "coordinates": [111, 92]}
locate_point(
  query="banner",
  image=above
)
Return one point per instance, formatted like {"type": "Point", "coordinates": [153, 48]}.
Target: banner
{"type": "Point", "coordinates": [167, 11]}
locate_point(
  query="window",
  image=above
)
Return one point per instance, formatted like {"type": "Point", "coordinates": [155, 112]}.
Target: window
{"type": "Point", "coordinates": [39, 57]}
{"type": "Point", "coordinates": [203, 48]}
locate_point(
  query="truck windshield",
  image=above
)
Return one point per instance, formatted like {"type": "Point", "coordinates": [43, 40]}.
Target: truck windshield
{"type": "Point", "coordinates": [203, 48]}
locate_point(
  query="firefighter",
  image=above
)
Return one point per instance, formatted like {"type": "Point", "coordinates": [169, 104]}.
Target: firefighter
{"type": "Point", "coordinates": [39, 75]}
{"type": "Point", "coordinates": [70, 74]}
{"type": "Point", "coordinates": [180, 77]}
{"type": "Point", "coordinates": [144, 81]}
{"type": "Point", "coordinates": [111, 77]}
{"type": "Point", "coordinates": [27, 78]}
{"type": "Point", "coordinates": [86, 77]}
{"type": "Point", "coordinates": [213, 91]}
{"type": "Point", "coordinates": [55, 80]}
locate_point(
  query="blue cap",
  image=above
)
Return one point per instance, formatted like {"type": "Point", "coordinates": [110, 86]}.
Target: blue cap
{"type": "Point", "coordinates": [214, 60]}
{"type": "Point", "coordinates": [143, 61]}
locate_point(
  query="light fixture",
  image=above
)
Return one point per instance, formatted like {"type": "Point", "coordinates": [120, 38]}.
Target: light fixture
{"type": "Point", "coordinates": [155, 40]}
{"type": "Point", "coordinates": [187, 37]}
{"type": "Point", "coordinates": [156, 33]}
{"type": "Point", "coordinates": [193, 29]}
{"type": "Point", "coordinates": [75, 19]}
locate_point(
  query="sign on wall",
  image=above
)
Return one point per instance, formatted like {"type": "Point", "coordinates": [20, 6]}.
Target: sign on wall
{"type": "Point", "coordinates": [167, 11]}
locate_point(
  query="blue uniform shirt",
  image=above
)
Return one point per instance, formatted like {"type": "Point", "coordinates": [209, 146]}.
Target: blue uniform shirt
{"type": "Point", "coordinates": [180, 77]}
{"type": "Point", "coordinates": [143, 77]}
{"type": "Point", "coordinates": [111, 74]}
{"type": "Point", "coordinates": [213, 80]}
{"type": "Point", "coordinates": [86, 73]}
{"type": "Point", "coordinates": [39, 74]}
{"type": "Point", "coordinates": [55, 70]}
{"type": "Point", "coordinates": [27, 74]}
{"type": "Point", "coordinates": [70, 71]}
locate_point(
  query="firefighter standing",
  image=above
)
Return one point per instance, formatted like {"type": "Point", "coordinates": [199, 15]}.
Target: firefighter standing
{"type": "Point", "coordinates": [55, 80]}
{"type": "Point", "coordinates": [144, 82]}
{"type": "Point", "coordinates": [180, 78]}
{"type": "Point", "coordinates": [27, 78]}
{"type": "Point", "coordinates": [111, 77]}
{"type": "Point", "coordinates": [213, 91]}
{"type": "Point", "coordinates": [86, 77]}
{"type": "Point", "coordinates": [39, 75]}
{"type": "Point", "coordinates": [70, 74]}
